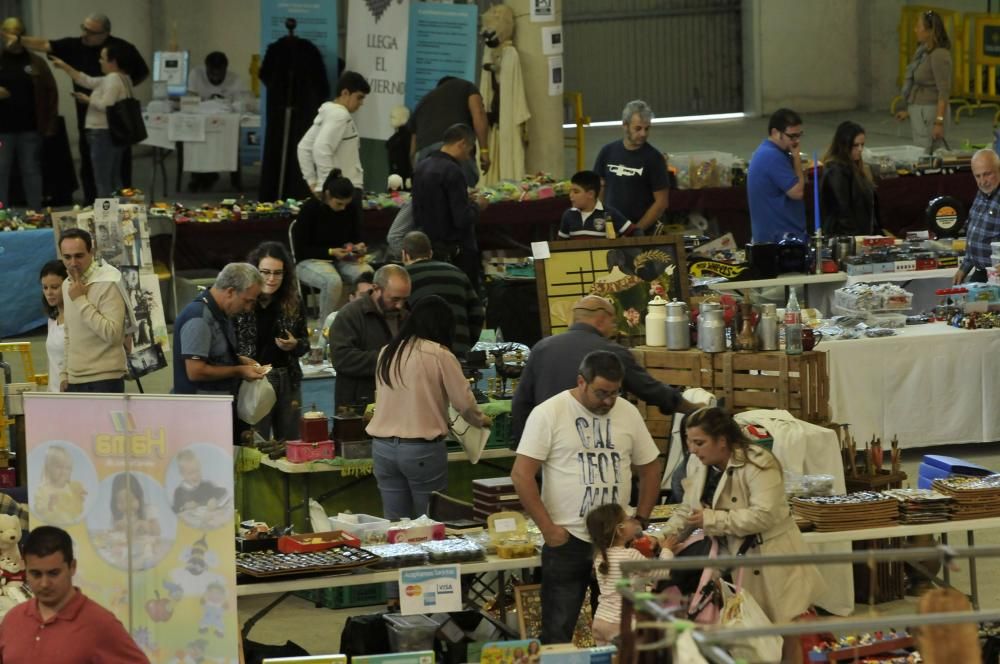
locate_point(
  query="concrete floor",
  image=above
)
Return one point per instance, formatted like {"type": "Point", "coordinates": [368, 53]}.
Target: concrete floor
{"type": "Point", "coordinates": [318, 630]}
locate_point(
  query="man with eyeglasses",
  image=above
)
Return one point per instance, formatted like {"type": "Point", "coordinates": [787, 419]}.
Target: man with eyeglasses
{"type": "Point", "coordinates": [83, 53]}
{"type": "Point", "coordinates": [776, 182]}
{"type": "Point", "coordinates": [551, 367]}
{"type": "Point", "coordinates": [361, 329]}
{"type": "Point", "coordinates": [586, 442]}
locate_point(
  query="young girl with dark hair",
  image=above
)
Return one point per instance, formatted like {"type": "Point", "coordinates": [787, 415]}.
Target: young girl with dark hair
{"type": "Point", "coordinates": [326, 242]}
{"type": "Point", "coordinates": [52, 276]}
{"type": "Point", "coordinates": [417, 376]}
{"type": "Point", "coordinates": [612, 531]}
{"type": "Point", "coordinates": [274, 333]}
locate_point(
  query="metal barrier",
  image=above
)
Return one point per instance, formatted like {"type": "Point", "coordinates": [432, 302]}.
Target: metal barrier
{"type": "Point", "coordinates": [573, 102]}
{"type": "Point", "coordinates": [983, 31]}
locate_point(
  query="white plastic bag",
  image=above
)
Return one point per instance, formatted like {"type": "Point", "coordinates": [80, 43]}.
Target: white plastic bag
{"type": "Point", "coordinates": [740, 609]}
{"type": "Point", "coordinates": [255, 401]}
{"type": "Point", "coordinates": [472, 439]}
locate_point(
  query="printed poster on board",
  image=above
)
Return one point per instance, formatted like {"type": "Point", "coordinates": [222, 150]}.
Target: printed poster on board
{"type": "Point", "coordinates": [144, 485]}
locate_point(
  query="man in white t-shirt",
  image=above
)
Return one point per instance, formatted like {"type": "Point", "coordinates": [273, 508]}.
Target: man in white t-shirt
{"type": "Point", "coordinates": [586, 442]}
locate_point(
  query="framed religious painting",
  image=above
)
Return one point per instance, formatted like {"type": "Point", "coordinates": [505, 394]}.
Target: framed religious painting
{"type": "Point", "coordinates": [627, 271]}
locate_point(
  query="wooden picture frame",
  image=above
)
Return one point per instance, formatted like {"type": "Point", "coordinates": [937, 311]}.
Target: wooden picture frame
{"type": "Point", "coordinates": [628, 271]}
{"type": "Point", "coordinates": [528, 600]}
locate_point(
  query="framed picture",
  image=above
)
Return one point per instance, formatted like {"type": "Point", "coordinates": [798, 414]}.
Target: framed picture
{"type": "Point", "coordinates": [528, 599]}
{"type": "Point", "coordinates": [627, 271]}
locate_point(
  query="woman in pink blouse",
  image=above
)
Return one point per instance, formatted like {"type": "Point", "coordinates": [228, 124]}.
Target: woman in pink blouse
{"type": "Point", "coordinates": [417, 376]}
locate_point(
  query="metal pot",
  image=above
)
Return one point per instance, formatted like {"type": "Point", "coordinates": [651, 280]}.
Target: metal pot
{"type": "Point", "coordinates": [656, 334]}
{"type": "Point", "coordinates": [767, 327]}
{"type": "Point", "coordinates": [712, 338]}
{"type": "Point", "coordinates": [678, 326]}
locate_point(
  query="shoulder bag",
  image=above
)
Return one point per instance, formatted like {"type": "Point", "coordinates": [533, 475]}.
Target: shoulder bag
{"type": "Point", "coordinates": [125, 118]}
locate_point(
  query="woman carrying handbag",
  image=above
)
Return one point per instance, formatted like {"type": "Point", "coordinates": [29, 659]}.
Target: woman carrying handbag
{"type": "Point", "coordinates": [107, 90]}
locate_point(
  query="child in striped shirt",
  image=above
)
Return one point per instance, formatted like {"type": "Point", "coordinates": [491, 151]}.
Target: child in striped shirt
{"type": "Point", "coordinates": [612, 533]}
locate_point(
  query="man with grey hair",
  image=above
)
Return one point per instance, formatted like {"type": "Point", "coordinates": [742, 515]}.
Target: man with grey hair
{"type": "Point", "coordinates": [360, 330]}
{"type": "Point", "coordinates": [83, 53]}
{"type": "Point", "coordinates": [204, 356]}
{"type": "Point", "coordinates": [984, 218]}
{"type": "Point", "coordinates": [633, 172]}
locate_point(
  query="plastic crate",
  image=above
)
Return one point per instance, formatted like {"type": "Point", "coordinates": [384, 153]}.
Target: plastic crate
{"type": "Point", "coordinates": [369, 529]}
{"type": "Point", "coordinates": [346, 597]}
{"type": "Point", "coordinates": [410, 633]}
{"type": "Point", "coordinates": [500, 431]}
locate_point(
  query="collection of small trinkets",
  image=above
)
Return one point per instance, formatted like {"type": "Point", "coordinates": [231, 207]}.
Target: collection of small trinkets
{"type": "Point", "coordinates": [272, 563]}
{"type": "Point", "coordinates": [872, 457]}
{"type": "Point", "coordinates": [884, 641]}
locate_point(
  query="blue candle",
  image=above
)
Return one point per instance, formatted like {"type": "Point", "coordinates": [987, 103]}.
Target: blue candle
{"type": "Point", "coordinates": [816, 191]}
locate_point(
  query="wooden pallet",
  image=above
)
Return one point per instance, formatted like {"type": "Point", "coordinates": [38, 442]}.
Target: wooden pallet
{"type": "Point", "coordinates": [799, 384]}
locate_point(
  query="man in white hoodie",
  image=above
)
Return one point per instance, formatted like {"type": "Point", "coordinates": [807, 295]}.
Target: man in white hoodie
{"type": "Point", "coordinates": [95, 319]}
{"type": "Point", "coordinates": [333, 141]}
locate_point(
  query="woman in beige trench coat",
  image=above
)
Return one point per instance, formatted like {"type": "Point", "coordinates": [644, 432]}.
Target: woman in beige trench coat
{"type": "Point", "coordinates": [749, 499]}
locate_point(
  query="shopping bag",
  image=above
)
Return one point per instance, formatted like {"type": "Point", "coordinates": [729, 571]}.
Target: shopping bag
{"type": "Point", "coordinates": [472, 439]}
{"type": "Point", "coordinates": [125, 122]}
{"type": "Point", "coordinates": [255, 400]}
{"type": "Point", "coordinates": [740, 609]}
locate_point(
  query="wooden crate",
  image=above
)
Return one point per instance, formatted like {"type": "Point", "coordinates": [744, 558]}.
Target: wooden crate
{"type": "Point", "coordinates": [796, 383]}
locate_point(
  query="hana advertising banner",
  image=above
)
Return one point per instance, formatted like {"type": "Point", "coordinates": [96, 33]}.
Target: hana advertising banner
{"type": "Point", "coordinates": [376, 49]}
{"type": "Point", "coordinates": [144, 485]}
{"type": "Point", "coordinates": [443, 42]}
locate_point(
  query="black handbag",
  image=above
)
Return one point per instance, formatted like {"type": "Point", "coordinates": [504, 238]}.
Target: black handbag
{"type": "Point", "coordinates": [125, 119]}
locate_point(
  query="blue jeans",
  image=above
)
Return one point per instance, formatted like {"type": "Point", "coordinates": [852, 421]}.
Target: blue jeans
{"type": "Point", "coordinates": [329, 278]}
{"type": "Point", "coordinates": [111, 386]}
{"type": "Point", "coordinates": [27, 145]}
{"type": "Point", "coordinates": [566, 574]}
{"type": "Point", "coordinates": [283, 420]}
{"type": "Point", "coordinates": [106, 159]}
{"type": "Point", "coordinates": [407, 471]}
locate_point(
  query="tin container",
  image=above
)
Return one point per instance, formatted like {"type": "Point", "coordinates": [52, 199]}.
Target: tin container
{"type": "Point", "coordinates": [678, 325]}
{"type": "Point", "coordinates": [767, 327]}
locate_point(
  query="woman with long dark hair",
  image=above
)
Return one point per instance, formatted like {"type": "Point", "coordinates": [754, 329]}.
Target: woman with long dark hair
{"type": "Point", "coordinates": [326, 239]}
{"type": "Point", "coordinates": [416, 377]}
{"type": "Point", "coordinates": [927, 83]}
{"type": "Point", "coordinates": [847, 190]}
{"type": "Point", "coordinates": [274, 333]}
{"type": "Point", "coordinates": [736, 493]}
{"type": "Point", "coordinates": [52, 276]}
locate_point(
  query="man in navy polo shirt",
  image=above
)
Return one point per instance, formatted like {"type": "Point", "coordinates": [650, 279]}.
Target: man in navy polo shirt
{"type": "Point", "coordinates": [634, 173]}
{"type": "Point", "coordinates": [205, 357]}
{"type": "Point", "coordinates": [776, 183]}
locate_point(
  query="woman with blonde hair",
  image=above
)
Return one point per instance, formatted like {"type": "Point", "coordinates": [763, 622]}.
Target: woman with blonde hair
{"type": "Point", "coordinates": [927, 84]}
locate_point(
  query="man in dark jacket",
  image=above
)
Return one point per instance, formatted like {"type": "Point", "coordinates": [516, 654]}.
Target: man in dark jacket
{"type": "Point", "coordinates": [84, 53]}
{"type": "Point", "coordinates": [553, 365]}
{"type": "Point", "coordinates": [360, 330]}
{"type": "Point", "coordinates": [29, 104]}
{"type": "Point", "coordinates": [442, 206]}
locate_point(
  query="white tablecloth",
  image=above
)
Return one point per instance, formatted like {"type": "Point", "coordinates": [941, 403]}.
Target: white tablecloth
{"type": "Point", "coordinates": [218, 149]}
{"type": "Point", "coordinates": [931, 385]}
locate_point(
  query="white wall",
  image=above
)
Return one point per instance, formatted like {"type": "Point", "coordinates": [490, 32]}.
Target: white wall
{"type": "Point", "coordinates": [54, 19]}
{"type": "Point", "coordinates": [203, 26]}
{"type": "Point", "coordinates": [808, 54]}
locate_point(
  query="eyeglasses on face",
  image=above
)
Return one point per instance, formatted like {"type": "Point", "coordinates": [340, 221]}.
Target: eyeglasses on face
{"type": "Point", "coordinates": [84, 28]}
{"type": "Point", "coordinates": [604, 395]}
{"type": "Point", "coordinates": [796, 136]}
{"type": "Point", "coordinates": [278, 274]}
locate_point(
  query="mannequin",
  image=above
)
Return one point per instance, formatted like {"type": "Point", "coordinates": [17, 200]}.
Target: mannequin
{"type": "Point", "coordinates": [502, 89]}
{"type": "Point", "coordinates": [398, 146]}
